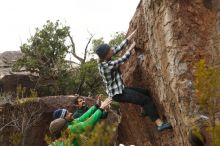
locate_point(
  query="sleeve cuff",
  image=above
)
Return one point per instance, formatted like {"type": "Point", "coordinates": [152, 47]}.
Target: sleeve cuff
{"type": "Point", "coordinates": [128, 53]}
{"type": "Point", "coordinates": [101, 109]}
{"type": "Point", "coordinates": [125, 42]}
{"type": "Point", "coordinates": [96, 105]}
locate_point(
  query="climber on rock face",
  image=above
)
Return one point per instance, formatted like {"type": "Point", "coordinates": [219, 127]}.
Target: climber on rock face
{"type": "Point", "coordinates": [110, 73]}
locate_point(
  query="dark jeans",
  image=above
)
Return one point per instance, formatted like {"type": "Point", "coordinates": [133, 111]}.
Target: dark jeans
{"type": "Point", "coordinates": [140, 97]}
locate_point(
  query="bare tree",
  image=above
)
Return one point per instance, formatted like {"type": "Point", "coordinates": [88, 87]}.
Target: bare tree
{"type": "Point", "coordinates": [22, 117]}
{"type": "Point", "coordinates": [73, 51]}
{"type": "Point", "coordinates": [80, 59]}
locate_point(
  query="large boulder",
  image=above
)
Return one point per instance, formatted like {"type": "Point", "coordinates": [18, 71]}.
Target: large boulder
{"type": "Point", "coordinates": [171, 37]}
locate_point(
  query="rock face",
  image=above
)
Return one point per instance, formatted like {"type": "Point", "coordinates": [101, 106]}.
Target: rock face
{"type": "Point", "coordinates": [45, 105]}
{"type": "Point", "coordinates": [171, 37]}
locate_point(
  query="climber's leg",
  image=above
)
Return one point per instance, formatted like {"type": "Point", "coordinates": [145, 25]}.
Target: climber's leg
{"type": "Point", "coordinates": [132, 96]}
{"type": "Point", "coordinates": [141, 90]}
{"type": "Point", "coordinates": [145, 92]}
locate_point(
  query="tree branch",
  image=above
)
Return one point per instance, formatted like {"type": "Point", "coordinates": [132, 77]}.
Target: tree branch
{"type": "Point", "coordinates": [86, 48]}
{"type": "Point", "coordinates": [74, 49]}
{"type": "Point", "coordinates": [8, 124]}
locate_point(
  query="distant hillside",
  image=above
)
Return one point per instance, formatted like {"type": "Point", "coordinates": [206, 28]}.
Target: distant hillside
{"type": "Point", "coordinates": [6, 60]}
{"type": "Point", "coordinates": [10, 55]}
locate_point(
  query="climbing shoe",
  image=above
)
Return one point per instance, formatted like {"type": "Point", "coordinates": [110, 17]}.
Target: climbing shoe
{"type": "Point", "coordinates": [164, 126]}
{"type": "Point", "coordinates": [143, 114]}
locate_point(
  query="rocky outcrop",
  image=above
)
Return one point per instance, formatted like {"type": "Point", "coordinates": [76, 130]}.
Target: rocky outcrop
{"type": "Point", "coordinates": [6, 60]}
{"type": "Point", "coordinates": [171, 37]}
{"type": "Point", "coordinates": [43, 106]}
{"type": "Point", "coordinates": [9, 83]}
{"type": "Point", "coordinates": [10, 56]}
{"type": "Point", "coordinates": [10, 80]}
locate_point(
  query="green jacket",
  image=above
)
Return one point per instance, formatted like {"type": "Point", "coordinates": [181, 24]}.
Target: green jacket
{"type": "Point", "coordinates": [80, 111]}
{"type": "Point", "coordinates": [79, 125]}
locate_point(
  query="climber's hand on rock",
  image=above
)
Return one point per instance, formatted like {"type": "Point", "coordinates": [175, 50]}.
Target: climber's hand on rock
{"type": "Point", "coordinates": [131, 35]}
{"type": "Point", "coordinates": [132, 46]}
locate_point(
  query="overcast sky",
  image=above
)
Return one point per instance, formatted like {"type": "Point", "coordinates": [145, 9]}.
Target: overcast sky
{"type": "Point", "coordinates": [19, 18]}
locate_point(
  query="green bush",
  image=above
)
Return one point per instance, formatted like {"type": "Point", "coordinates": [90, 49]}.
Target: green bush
{"type": "Point", "coordinates": [102, 135]}
{"type": "Point", "coordinates": [207, 84]}
{"type": "Point", "coordinates": [15, 138]}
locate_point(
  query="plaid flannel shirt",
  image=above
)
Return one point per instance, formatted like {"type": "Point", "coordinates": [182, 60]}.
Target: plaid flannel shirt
{"type": "Point", "coordinates": [110, 73]}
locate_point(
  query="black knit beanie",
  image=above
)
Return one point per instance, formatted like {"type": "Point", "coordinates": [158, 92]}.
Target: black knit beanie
{"type": "Point", "coordinates": [102, 50]}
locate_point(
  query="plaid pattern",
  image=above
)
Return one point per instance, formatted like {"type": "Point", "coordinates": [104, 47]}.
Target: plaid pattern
{"type": "Point", "coordinates": [110, 73]}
